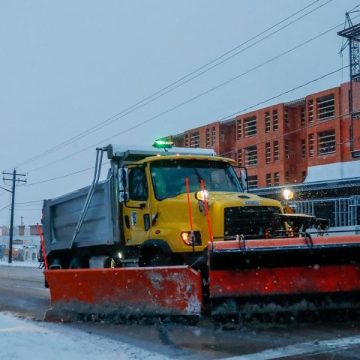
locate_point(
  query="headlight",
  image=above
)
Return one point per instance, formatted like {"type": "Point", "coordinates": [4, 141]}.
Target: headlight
{"type": "Point", "coordinates": [188, 239]}
{"type": "Point", "coordinates": [201, 195]}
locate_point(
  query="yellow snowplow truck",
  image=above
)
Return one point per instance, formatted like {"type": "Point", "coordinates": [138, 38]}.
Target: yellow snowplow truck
{"type": "Point", "coordinates": [174, 232]}
{"type": "Point", "coordinates": [151, 211]}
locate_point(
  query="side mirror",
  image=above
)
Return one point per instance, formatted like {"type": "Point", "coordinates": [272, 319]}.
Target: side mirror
{"type": "Point", "coordinates": [244, 179]}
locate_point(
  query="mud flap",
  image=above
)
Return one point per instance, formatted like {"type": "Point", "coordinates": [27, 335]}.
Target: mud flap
{"type": "Point", "coordinates": [127, 292]}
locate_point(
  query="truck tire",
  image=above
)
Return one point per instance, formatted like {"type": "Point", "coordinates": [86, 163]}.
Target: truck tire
{"type": "Point", "coordinates": [75, 263]}
{"type": "Point", "coordinates": [159, 258]}
{"type": "Point", "coordinates": [155, 253]}
{"type": "Point", "coordinates": [55, 264]}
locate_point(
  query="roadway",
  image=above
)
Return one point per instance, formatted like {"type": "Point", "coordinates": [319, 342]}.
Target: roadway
{"type": "Point", "coordinates": [22, 293]}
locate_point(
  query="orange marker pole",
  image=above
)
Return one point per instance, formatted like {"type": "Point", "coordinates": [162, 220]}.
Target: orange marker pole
{"type": "Point", "coordinates": [188, 202]}
{"type": "Point", "coordinates": [189, 212]}
{"type": "Point", "coordinates": [42, 244]}
{"type": "Point", "coordinates": [207, 211]}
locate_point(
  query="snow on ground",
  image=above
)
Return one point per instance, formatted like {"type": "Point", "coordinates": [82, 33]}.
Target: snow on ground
{"type": "Point", "coordinates": [4, 262]}
{"type": "Point", "coordinates": [28, 340]}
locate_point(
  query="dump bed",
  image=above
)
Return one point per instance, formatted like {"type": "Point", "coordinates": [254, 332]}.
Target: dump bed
{"type": "Point", "coordinates": [61, 216]}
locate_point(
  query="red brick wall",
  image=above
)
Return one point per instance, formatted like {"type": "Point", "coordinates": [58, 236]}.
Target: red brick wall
{"type": "Point", "coordinates": [292, 164]}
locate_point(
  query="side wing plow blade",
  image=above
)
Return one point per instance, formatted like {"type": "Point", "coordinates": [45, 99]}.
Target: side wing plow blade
{"type": "Point", "coordinates": [287, 266]}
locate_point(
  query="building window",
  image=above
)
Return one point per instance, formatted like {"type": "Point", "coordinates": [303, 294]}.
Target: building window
{"type": "Point", "coordinates": [286, 117]}
{"type": "Point", "coordinates": [213, 136]}
{"type": "Point", "coordinates": [303, 148]}
{"type": "Point", "coordinates": [275, 120]}
{"type": "Point", "coordinates": [253, 182]}
{"type": "Point", "coordinates": [207, 137]}
{"type": "Point", "coordinates": [268, 180]}
{"type": "Point", "coordinates": [195, 139]}
{"type": "Point", "coordinates": [268, 153]}
{"type": "Point", "coordinates": [222, 135]}
{"type": "Point", "coordinates": [310, 105]}
{"type": "Point", "coordinates": [276, 179]}
{"type": "Point", "coordinates": [239, 157]}
{"type": "Point", "coordinates": [267, 122]}
{"type": "Point", "coordinates": [186, 143]}
{"type": "Point", "coordinates": [302, 117]}
{"type": "Point", "coordinates": [327, 142]}
{"type": "Point", "coordinates": [287, 152]}
{"type": "Point", "coordinates": [325, 107]}
{"type": "Point", "coordinates": [276, 150]}
{"type": "Point", "coordinates": [238, 129]}
{"type": "Point", "coordinates": [250, 126]}
{"type": "Point", "coordinates": [251, 156]}
{"type": "Point", "coordinates": [311, 145]}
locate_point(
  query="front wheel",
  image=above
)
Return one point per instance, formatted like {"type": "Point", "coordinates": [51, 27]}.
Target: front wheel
{"type": "Point", "coordinates": [158, 258]}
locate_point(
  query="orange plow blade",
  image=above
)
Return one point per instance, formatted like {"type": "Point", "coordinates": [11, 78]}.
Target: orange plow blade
{"type": "Point", "coordinates": [285, 268]}
{"type": "Point", "coordinates": [126, 292]}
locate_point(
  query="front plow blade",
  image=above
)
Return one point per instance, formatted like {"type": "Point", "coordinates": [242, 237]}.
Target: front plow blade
{"type": "Point", "coordinates": [282, 269]}
{"type": "Point", "coordinates": [124, 293]}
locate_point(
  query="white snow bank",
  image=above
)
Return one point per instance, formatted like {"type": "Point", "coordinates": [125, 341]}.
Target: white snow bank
{"type": "Point", "coordinates": [24, 339]}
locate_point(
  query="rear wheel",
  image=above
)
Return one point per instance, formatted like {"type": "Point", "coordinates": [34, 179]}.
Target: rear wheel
{"type": "Point", "coordinates": [75, 263]}
{"type": "Point", "coordinates": [55, 264]}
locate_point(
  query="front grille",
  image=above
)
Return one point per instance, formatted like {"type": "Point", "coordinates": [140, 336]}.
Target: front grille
{"type": "Point", "coordinates": [252, 222]}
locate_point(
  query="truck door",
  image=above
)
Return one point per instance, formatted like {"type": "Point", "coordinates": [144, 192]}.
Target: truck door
{"type": "Point", "coordinates": [136, 209]}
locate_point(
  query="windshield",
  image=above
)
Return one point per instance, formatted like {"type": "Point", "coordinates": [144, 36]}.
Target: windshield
{"type": "Point", "coordinates": [168, 177]}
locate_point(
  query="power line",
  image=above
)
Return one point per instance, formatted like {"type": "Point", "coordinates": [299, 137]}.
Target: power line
{"type": "Point", "coordinates": [283, 93]}
{"type": "Point", "coordinates": [309, 126]}
{"type": "Point", "coordinates": [5, 207]}
{"type": "Point", "coordinates": [183, 80]}
{"type": "Point", "coordinates": [26, 209]}
{"type": "Point", "coordinates": [28, 202]}
{"type": "Point", "coordinates": [191, 99]}
{"type": "Point", "coordinates": [249, 107]}
{"type": "Point", "coordinates": [66, 175]}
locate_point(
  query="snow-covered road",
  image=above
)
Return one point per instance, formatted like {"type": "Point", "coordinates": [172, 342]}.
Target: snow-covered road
{"type": "Point", "coordinates": [22, 339]}
{"type": "Point", "coordinates": [22, 293]}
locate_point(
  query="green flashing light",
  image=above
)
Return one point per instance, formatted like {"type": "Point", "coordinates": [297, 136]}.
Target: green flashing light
{"type": "Point", "coordinates": [163, 144]}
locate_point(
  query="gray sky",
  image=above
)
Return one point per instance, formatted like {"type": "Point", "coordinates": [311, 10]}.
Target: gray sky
{"type": "Point", "coordinates": [66, 66]}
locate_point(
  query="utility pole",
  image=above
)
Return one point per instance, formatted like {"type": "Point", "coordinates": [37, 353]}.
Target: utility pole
{"type": "Point", "coordinates": [14, 181]}
{"type": "Point", "coordinates": [352, 34]}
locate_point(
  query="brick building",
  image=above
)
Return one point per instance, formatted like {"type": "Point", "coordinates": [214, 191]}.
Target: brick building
{"type": "Point", "coordinates": [284, 143]}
